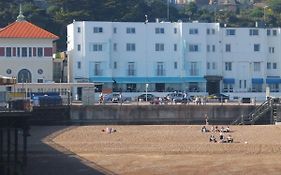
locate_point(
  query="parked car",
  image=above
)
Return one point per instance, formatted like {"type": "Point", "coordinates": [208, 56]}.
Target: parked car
{"type": "Point", "coordinates": [178, 98]}
{"type": "Point", "coordinates": [220, 97]}
{"type": "Point", "coordinates": [144, 97]}
{"type": "Point", "coordinates": [116, 98]}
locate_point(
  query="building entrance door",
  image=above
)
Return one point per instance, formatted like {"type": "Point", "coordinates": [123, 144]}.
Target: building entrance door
{"type": "Point", "coordinates": [213, 84]}
{"type": "Point", "coordinates": [160, 87]}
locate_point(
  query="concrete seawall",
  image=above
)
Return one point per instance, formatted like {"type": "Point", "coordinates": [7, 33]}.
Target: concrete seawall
{"type": "Point", "coordinates": [159, 114]}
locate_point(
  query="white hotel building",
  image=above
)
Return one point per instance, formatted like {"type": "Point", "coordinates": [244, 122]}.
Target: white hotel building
{"type": "Point", "coordinates": [193, 57]}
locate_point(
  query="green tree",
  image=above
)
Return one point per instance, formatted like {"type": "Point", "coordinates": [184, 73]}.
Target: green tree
{"type": "Point", "coordinates": [275, 5]}
{"type": "Point", "coordinates": [191, 11]}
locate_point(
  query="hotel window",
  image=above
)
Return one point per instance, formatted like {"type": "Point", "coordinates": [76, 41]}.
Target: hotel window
{"type": "Point", "coordinates": [159, 30]}
{"type": "Point", "coordinates": [274, 32]}
{"type": "Point", "coordinates": [175, 47]}
{"type": "Point", "coordinates": [253, 32]}
{"type": "Point", "coordinates": [78, 29]}
{"type": "Point", "coordinates": [115, 65]}
{"type": "Point", "coordinates": [208, 65]}
{"type": "Point", "coordinates": [159, 47]}
{"type": "Point", "coordinates": [48, 51]}
{"type": "Point", "coordinates": [98, 30]}
{"type": "Point", "coordinates": [208, 31]}
{"type": "Point", "coordinates": [274, 65]}
{"type": "Point", "coordinates": [14, 51]}
{"type": "Point", "coordinates": [230, 32]}
{"type": "Point", "coordinates": [175, 30]}
{"type": "Point", "coordinates": [97, 47]}
{"type": "Point", "coordinates": [257, 66]}
{"type": "Point", "coordinates": [97, 69]}
{"type": "Point", "coordinates": [115, 46]}
{"type": "Point", "coordinates": [8, 71]}
{"type": "Point", "coordinates": [228, 66]}
{"type": "Point", "coordinates": [131, 30]}
{"type": "Point", "coordinates": [193, 48]}
{"type": "Point", "coordinates": [18, 51]}
{"type": "Point", "coordinates": [175, 65]}
{"type": "Point", "coordinates": [40, 71]}
{"type": "Point", "coordinates": [240, 84]}
{"type": "Point", "coordinates": [131, 87]}
{"type": "Point", "coordinates": [268, 65]}
{"type": "Point", "coordinates": [114, 30]}
{"type": "Point", "coordinates": [40, 52]}
{"type": "Point", "coordinates": [79, 65]}
{"type": "Point", "coordinates": [131, 69]}
{"type": "Point", "coordinates": [193, 69]}
{"type": "Point", "coordinates": [8, 51]}
{"type": "Point", "coordinates": [213, 48]}
{"type": "Point", "coordinates": [130, 46]}
{"type": "Point", "coordinates": [213, 31]}
{"type": "Point", "coordinates": [24, 52]}
{"type": "Point", "coordinates": [30, 52]}
{"type": "Point", "coordinates": [79, 47]}
{"type": "Point", "coordinates": [256, 47]}
{"type": "Point", "coordinates": [268, 32]}
{"type": "Point", "coordinates": [193, 31]}
{"type": "Point", "coordinates": [40, 80]}
{"type": "Point", "coordinates": [227, 48]}
{"type": "Point", "coordinates": [271, 49]}
{"type": "Point", "coordinates": [2, 51]}
{"type": "Point", "coordinates": [160, 69]}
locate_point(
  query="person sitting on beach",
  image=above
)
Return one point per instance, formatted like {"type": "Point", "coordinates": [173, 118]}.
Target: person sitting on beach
{"type": "Point", "coordinates": [212, 128]}
{"type": "Point", "coordinates": [221, 136]}
{"type": "Point", "coordinates": [222, 139]}
{"type": "Point", "coordinates": [227, 129]}
{"type": "Point", "coordinates": [204, 129]}
{"type": "Point", "coordinates": [216, 129]}
{"type": "Point", "coordinates": [229, 139]}
{"type": "Point", "coordinates": [212, 138]}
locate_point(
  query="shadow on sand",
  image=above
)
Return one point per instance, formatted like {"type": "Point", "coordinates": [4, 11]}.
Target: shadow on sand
{"type": "Point", "coordinates": [53, 159]}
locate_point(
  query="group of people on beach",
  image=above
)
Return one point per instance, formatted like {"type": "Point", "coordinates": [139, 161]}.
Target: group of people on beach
{"type": "Point", "coordinates": [109, 130]}
{"type": "Point", "coordinates": [221, 131]}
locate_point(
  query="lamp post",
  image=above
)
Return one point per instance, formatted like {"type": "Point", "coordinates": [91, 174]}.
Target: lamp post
{"type": "Point", "coordinates": [146, 86]}
{"type": "Point", "coordinates": [265, 7]}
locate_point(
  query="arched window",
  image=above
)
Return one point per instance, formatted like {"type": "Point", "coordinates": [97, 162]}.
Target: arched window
{"type": "Point", "coordinates": [24, 76]}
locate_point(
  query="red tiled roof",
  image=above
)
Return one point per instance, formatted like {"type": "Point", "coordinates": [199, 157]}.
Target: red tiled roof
{"type": "Point", "coordinates": [25, 29]}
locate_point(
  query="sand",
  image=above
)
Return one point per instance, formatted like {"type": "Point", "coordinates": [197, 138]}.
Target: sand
{"type": "Point", "coordinates": [174, 149]}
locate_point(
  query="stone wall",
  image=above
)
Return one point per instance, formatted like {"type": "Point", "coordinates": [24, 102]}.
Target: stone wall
{"type": "Point", "coordinates": [158, 114]}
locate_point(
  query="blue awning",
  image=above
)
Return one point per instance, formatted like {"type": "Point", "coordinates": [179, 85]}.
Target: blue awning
{"type": "Point", "coordinates": [101, 79]}
{"type": "Point", "coordinates": [273, 80]}
{"type": "Point", "coordinates": [257, 80]}
{"type": "Point", "coordinates": [228, 80]}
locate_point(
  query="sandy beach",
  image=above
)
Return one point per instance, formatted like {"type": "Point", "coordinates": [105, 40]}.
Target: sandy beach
{"type": "Point", "coordinates": [172, 149]}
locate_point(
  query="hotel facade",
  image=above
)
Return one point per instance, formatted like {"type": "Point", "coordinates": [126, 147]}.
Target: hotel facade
{"type": "Point", "coordinates": [165, 56]}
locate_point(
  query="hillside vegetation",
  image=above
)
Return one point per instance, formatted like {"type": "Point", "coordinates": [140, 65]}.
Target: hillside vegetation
{"type": "Point", "coordinates": [55, 15]}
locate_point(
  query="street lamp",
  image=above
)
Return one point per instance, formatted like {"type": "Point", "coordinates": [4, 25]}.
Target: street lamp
{"type": "Point", "coordinates": [265, 7]}
{"type": "Point", "coordinates": [146, 86]}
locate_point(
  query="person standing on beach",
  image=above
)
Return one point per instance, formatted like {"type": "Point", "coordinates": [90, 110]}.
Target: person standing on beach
{"type": "Point", "coordinates": [206, 120]}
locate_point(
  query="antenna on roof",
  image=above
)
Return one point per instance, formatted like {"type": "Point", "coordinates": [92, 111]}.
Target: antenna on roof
{"type": "Point", "coordinates": [20, 17]}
